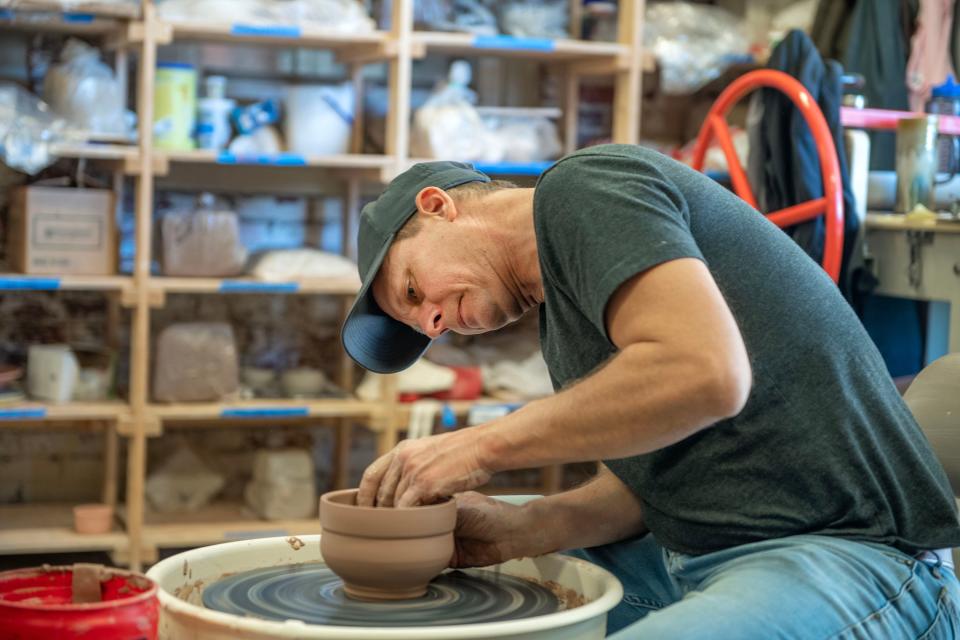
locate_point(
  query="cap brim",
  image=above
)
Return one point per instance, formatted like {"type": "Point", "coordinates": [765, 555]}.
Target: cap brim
{"type": "Point", "coordinates": [374, 339]}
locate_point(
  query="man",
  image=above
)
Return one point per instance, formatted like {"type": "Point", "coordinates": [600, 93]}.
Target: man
{"type": "Point", "coordinates": [745, 421]}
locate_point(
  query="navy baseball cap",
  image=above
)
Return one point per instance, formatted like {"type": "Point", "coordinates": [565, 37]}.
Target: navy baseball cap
{"type": "Point", "coordinates": [371, 337]}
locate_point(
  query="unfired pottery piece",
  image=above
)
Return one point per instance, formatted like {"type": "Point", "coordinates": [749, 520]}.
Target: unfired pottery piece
{"type": "Point", "coordinates": [385, 553]}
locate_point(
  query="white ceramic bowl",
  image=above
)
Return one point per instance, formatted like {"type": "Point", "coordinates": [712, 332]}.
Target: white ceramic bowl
{"type": "Point", "coordinates": [185, 617]}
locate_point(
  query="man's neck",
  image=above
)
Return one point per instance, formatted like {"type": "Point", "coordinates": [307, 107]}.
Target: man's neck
{"type": "Point", "coordinates": [510, 216]}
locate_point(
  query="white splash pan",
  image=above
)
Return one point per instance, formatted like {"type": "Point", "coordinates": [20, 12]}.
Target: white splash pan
{"type": "Point", "coordinates": [191, 570]}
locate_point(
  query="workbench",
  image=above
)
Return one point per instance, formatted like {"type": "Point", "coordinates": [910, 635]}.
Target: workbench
{"type": "Point", "coordinates": [921, 261]}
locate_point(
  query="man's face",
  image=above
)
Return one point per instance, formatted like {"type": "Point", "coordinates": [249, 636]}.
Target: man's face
{"type": "Point", "coordinates": [445, 278]}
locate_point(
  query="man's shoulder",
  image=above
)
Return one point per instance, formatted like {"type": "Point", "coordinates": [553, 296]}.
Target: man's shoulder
{"type": "Point", "coordinates": [601, 162]}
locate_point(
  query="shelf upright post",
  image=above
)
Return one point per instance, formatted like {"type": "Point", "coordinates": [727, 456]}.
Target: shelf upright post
{"type": "Point", "coordinates": [140, 335]}
{"type": "Point", "coordinates": [570, 101]}
{"type": "Point", "coordinates": [626, 100]}
{"type": "Point", "coordinates": [111, 455]}
{"type": "Point", "coordinates": [400, 71]}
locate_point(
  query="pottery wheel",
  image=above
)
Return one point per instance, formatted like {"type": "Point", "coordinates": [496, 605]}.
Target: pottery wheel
{"type": "Point", "coordinates": [314, 594]}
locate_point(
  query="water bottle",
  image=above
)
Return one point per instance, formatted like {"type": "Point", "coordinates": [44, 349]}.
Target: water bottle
{"type": "Point", "coordinates": [945, 100]}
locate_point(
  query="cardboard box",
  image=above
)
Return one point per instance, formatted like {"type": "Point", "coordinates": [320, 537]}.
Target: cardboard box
{"type": "Point", "coordinates": [61, 231]}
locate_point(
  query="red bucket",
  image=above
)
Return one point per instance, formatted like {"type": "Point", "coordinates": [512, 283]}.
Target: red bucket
{"type": "Point", "coordinates": [38, 603]}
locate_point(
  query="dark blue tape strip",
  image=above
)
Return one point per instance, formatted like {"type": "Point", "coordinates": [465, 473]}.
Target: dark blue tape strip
{"type": "Point", "coordinates": [513, 42]}
{"type": "Point", "coordinates": [265, 412]}
{"type": "Point", "coordinates": [29, 284]}
{"type": "Point", "coordinates": [22, 414]}
{"type": "Point", "coordinates": [6, 14]}
{"type": "Point", "coordinates": [266, 31]}
{"type": "Point", "coordinates": [514, 168]}
{"type": "Point", "coordinates": [279, 159]}
{"type": "Point", "coordinates": [78, 18]}
{"type": "Point", "coordinates": [230, 286]}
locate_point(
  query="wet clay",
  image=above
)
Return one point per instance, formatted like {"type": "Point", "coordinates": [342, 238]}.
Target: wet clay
{"type": "Point", "coordinates": [385, 553]}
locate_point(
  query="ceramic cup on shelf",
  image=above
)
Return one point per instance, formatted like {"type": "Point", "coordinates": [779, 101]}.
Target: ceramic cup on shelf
{"type": "Point", "coordinates": [93, 518]}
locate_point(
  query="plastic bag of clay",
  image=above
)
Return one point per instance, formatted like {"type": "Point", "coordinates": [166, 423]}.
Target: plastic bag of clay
{"type": "Point", "coordinates": [85, 91]}
{"type": "Point", "coordinates": [448, 125]}
{"type": "Point", "coordinates": [693, 43]}
{"type": "Point", "coordinates": [28, 130]}
{"type": "Point", "coordinates": [347, 16]}
{"type": "Point", "coordinates": [283, 485]}
{"type": "Point", "coordinates": [535, 18]}
{"type": "Point", "coordinates": [524, 139]}
{"type": "Point", "coordinates": [195, 362]}
{"type": "Point", "coordinates": [284, 265]}
{"type": "Point", "coordinates": [182, 483]}
{"type": "Point", "coordinates": [202, 242]}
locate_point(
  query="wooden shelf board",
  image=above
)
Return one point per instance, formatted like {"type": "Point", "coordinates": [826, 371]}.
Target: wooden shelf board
{"type": "Point", "coordinates": [282, 160]}
{"type": "Point", "coordinates": [275, 35]}
{"type": "Point", "coordinates": [945, 223]}
{"type": "Point", "coordinates": [258, 410]}
{"type": "Point", "coordinates": [17, 414]}
{"type": "Point", "coordinates": [505, 46]}
{"type": "Point", "coordinates": [218, 522]}
{"type": "Point", "coordinates": [22, 282]}
{"type": "Point", "coordinates": [48, 528]}
{"type": "Point", "coordinates": [91, 151]}
{"type": "Point", "coordinates": [348, 286]}
{"type": "Point", "coordinates": [101, 9]}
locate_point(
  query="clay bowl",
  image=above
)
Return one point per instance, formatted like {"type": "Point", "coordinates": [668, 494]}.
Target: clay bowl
{"type": "Point", "coordinates": [385, 553]}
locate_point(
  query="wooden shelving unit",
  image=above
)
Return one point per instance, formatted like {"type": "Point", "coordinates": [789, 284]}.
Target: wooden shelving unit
{"type": "Point", "coordinates": [134, 32]}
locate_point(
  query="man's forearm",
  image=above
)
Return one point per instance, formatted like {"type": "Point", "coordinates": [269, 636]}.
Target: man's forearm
{"type": "Point", "coordinates": [644, 399]}
{"type": "Point", "coordinates": [601, 511]}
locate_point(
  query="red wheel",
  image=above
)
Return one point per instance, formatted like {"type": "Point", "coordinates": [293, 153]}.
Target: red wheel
{"type": "Point", "coordinates": [831, 205]}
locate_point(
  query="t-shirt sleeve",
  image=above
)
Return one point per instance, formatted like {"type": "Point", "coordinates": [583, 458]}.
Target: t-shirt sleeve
{"type": "Point", "coordinates": [600, 220]}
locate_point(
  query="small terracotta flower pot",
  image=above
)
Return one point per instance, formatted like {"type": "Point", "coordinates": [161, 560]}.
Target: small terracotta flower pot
{"type": "Point", "coordinates": [385, 553]}
{"type": "Point", "coordinates": [92, 518]}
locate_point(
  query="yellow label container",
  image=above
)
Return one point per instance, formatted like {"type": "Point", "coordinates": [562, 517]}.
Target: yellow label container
{"type": "Point", "coordinates": [174, 106]}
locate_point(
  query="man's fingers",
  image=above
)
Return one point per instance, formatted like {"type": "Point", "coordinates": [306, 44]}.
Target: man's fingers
{"type": "Point", "coordinates": [370, 482]}
{"type": "Point", "coordinates": [406, 497]}
{"type": "Point", "coordinates": [388, 484]}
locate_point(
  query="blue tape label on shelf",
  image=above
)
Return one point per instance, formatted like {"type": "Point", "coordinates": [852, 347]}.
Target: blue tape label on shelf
{"type": "Point", "coordinates": [23, 414]}
{"type": "Point", "coordinates": [26, 283]}
{"type": "Point", "coordinates": [514, 168]}
{"type": "Point", "coordinates": [265, 412]}
{"type": "Point", "coordinates": [278, 159]}
{"type": "Point", "coordinates": [266, 31]}
{"type": "Point", "coordinates": [6, 14]}
{"type": "Point", "coordinates": [232, 286]}
{"type": "Point", "coordinates": [78, 18]}
{"type": "Point", "coordinates": [513, 42]}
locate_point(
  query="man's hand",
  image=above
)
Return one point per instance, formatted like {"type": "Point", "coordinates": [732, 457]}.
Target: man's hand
{"type": "Point", "coordinates": [425, 470]}
{"type": "Point", "coordinates": [491, 531]}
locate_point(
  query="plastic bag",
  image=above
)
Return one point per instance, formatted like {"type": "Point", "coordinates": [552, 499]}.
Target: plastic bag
{"type": "Point", "coordinates": [28, 129]}
{"type": "Point", "coordinates": [336, 15]}
{"type": "Point", "coordinates": [292, 264]}
{"type": "Point", "coordinates": [448, 125]}
{"type": "Point", "coordinates": [202, 242]}
{"type": "Point", "coordinates": [522, 139]}
{"type": "Point", "coordinates": [535, 18]}
{"type": "Point", "coordinates": [196, 362]}
{"type": "Point", "coordinates": [693, 43]}
{"type": "Point", "coordinates": [85, 91]}
{"type": "Point", "coordinates": [283, 486]}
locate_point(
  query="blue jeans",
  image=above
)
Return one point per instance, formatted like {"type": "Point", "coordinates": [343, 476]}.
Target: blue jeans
{"type": "Point", "coordinates": [797, 587]}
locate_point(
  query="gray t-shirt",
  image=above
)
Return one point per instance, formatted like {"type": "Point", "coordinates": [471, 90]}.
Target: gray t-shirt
{"type": "Point", "coordinates": [824, 445]}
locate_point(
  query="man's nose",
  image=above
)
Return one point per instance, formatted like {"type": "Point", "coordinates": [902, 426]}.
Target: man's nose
{"type": "Point", "coordinates": [431, 321]}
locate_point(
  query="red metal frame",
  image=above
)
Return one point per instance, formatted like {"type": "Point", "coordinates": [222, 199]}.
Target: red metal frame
{"type": "Point", "coordinates": [831, 205]}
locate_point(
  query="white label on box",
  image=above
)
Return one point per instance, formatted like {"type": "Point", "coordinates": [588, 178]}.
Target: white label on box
{"type": "Point", "coordinates": [76, 232]}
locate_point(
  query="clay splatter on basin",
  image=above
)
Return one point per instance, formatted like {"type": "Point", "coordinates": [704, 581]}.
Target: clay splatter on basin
{"type": "Point", "coordinates": [314, 594]}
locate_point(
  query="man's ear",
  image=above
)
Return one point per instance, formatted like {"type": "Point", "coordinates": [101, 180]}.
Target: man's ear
{"type": "Point", "coordinates": [435, 202]}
